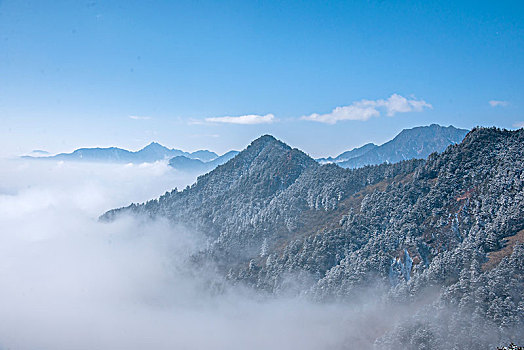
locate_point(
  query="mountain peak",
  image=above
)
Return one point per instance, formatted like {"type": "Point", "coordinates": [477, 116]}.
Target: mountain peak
{"type": "Point", "coordinates": [418, 142]}
{"type": "Point", "coordinates": [266, 142]}
{"type": "Point", "coordinates": [266, 137]}
{"type": "Point", "coordinates": [154, 145]}
{"type": "Point", "coordinates": [430, 128]}
{"type": "Point", "coordinates": [263, 140]}
{"type": "Point", "coordinates": [265, 167]}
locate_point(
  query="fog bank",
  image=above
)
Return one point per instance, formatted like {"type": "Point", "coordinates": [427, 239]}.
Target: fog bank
{"type": "Point", "coordinates": [70, 282]}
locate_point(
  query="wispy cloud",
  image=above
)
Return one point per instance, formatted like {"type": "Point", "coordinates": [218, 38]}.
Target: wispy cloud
{"type": "Point", "coordinates": [365, 109]}
{"type": "Point", "coordinates": [244, 119]}
{"type": "Point", "coordinates": [519, 125]}
{"type": "Point", "coordinates": [498, 103]}
{"type": "Point", "coordinates": [139, 117]}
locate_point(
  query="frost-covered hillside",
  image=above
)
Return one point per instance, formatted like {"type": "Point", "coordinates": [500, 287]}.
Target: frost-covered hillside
{"type": "Point", "coordinates": [443, 236]}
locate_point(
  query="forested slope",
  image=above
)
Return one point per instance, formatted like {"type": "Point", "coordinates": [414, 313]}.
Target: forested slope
{"type": "Point", "coordinates": [450, 227]}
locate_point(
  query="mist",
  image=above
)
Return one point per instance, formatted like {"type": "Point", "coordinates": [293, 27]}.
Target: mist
{"type": "Point", "coordinates": [71, 282]}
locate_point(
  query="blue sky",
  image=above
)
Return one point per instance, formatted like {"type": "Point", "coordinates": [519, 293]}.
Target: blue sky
{"type": "Point", "coordinates": [124, 73]}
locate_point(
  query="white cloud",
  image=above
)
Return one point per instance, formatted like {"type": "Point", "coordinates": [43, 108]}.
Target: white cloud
{"type": "Point", "coordinates": [399, 104]}
{"type": "Point", "coordinates": [244, 119]}
{"type": "Point", "coordinates": [139, 117]}
{"type": "Point", "coordinates": [356, 111]}
{"type": "Point", "coordinates": [365, 109]}
{"type": "Point", "coordinates": [519, 125]}
{"type": "Point", "coordinates": [497, 103]}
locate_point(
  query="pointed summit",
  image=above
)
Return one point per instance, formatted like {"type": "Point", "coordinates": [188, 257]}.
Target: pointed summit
{"type": "Point", "coordinates": [264, 139]}
{"type": "Point", "coordinates": [261, 171]}
{"type": "Point", "coordinates": [154, 146]}
{"type": "Point", "coordinates": [265, 167]}
{"type": "Point", "coordinates": [153, 152]}
{"type": "Point", "coordinates": [268, 149]}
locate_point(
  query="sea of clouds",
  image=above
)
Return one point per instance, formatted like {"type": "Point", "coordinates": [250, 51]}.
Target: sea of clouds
{"type": "Point", "coordinates": [69, 281]}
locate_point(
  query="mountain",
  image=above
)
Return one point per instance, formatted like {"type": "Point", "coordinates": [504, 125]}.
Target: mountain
{"type": "Point", "coordinates": [203, 155]}
{"type": "Point", "coordinates": [225, 157]}
{"type": "Point", "coordinates": [150, 153]}
{"type": "Point", "coordinates": [253, 177]}
{"type": "Point", "coordinates": [110, 154]}
{"type": "Point", "coordinates": [38, 153]}
{"type": "Point", "coordinates": [443, 237]}
{"type": "Point", "coordinates": [415, 143]}
{"type": "Point", "coordinates": [153, 152]}
{"type": "Point", "coordinates": [186, 164]}
{"type": "Point", "coordinates": [183, 163]}
{"type": "Point", "coordinates": [355, 152]}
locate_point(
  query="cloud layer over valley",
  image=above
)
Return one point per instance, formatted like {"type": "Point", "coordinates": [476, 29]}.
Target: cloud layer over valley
{"type": "Point", "coordinates": [71, 282]}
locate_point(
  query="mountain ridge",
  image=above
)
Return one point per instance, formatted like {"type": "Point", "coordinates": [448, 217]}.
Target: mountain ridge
{"type": "Point", "coordinates": [152, 152]}
{"type": "Point", "coordinates": [353, 153]}
{"type": "Point", "coordinates": [279, 222]}
{"type": "Point", "coordinates": [186, 164]}
{"type": "Point", "coordinates": [418, 142]}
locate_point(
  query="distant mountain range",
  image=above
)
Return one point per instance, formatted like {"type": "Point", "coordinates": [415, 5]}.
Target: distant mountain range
{"type": "Point", "coordinates": [415, 143]}
{"type": "Point", "coordinates": [354, 153]}
{"type": "Point", "coordinates": [38, 153]}
{"type": "Point", "coordinates": [150, 153]}
{"type": "Point", "coordinates": [184, 163]}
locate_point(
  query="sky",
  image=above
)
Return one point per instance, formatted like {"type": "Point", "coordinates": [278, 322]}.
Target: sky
{"type": "Point", "coordinates": [322, 76]}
